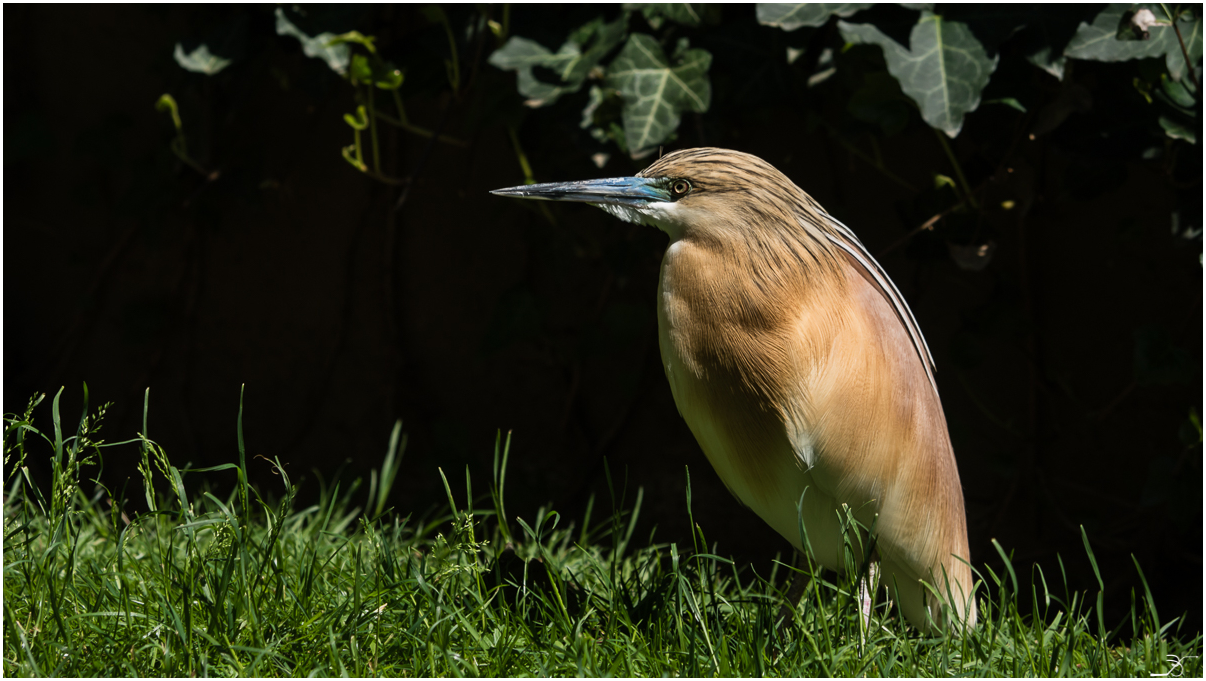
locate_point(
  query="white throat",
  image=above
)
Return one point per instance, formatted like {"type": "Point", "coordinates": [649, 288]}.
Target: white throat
{"type": "Point", "coordinates": [663, 215]}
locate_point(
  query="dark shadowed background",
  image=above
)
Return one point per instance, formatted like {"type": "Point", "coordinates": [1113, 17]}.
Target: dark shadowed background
{"type": "Point", "coordinates": [1065, 315]}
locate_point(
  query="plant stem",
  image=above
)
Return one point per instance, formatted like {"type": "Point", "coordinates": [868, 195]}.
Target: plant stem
{"type": "Point", "coordinates": [528, 178]}
{"type": "Point", "coordinates": [401, 109]}
{"type": "Point", "coordinates": [523, 159]}
{"type": "Point", "coordinates": [1188, 62]}
{"type": "Point", "coordinates": [423, 132]}
{"type": "Point", "coordinates": [454, 65]}
{"type": "Point", "coordinates": [373, 129]}
{"type": "Point", "coordinates": [950, 154]}
{"type": "Point", "coordinates": [929, 224]}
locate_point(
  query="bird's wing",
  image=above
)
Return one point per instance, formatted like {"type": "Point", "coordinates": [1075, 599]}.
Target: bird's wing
{"type": "Point", "coordinates": [844, 238]}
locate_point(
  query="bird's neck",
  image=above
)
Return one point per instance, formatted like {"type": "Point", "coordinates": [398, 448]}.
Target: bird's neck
{"type": "Point", "coordinates": [723, 304]}
{"type": "Point", "coordinates": [748, 278]}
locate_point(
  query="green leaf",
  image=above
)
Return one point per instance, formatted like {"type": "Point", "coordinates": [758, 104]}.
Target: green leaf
{"type": "Point", "coordinates": [1009, 102]}
{"type": "Point", "coordinates": [168, 103]}
{"type": "Point", "coordinates": [1038, 31]}
{"type": "Point", "coordinates": [1192, 35]}
{"type": "Point", "coordinates": [1044, 60]}
{"type": "Point", "coordinates": [655, 91]}
{"type": "Point", "coordinates": [606, 37]}
{"type": "Point", "coordinates": [360, 72]}
{"type": "Point", "coordinates": [434, 14]}
{"type": "Point", "coordinates": [387, 76]}
{"type": "Point", "coordinates": [1177, 92]}
{"type": "Point", "coordinates": [358, 121]}
{"type": "Point", "coordinates": [588, 111]}
{"type": "Point", "coordinates": [321, 46]}
{"type": "Point", "coordinates": [687, 14]}
{"type": "Point", "coordinates": [355, 37]}
{"type": "Point", "coordinates": [200, 60]}
{"type": "Point", "coordinates": [1190, 432]}
{"type": "Point", "coordinates": [789, 17]}
{"type": "Point", "coordinates": [522, 55]}
{"type": "Point", "coordinates": [880, 102]}
{"type": "Point", "coordinates": [943, 71]}
{"type": "Point", "coordinates": [1177, 130]}
{"type": "Point", "coordinates": [572, 63]}
{"type": "Point", "coordinates": [1099, 41]}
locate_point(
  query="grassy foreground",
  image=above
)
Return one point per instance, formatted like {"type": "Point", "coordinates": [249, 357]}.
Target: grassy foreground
{"type": "Point", "coordinates": [245, 585]}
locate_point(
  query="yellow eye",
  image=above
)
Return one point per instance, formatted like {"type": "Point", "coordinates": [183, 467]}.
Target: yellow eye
{"type": "Point", "coordinates": [680, 187]}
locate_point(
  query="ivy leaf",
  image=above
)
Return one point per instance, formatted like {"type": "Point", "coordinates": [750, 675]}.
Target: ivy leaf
{"type": "Point", "coordinates": [200, 60]}
{"type": "Point", "coordinates": [1099, 41]}
{"type": "Point", "coordinates": [1178, 130]}
{"type": "Point", "coordinates": [1192, 35]}
{"type": "Point", "coordinates": [1048, 30]}
{"type": "Point", "coordinates": [592, 105]}
{"type": "Point", "coordinates": [522, 55]}
{"type": "Point", "coordinates": [1045, 60]}
{"type": "Point", "coordinates": [790, 17]}
{"type": "Point", "coordinates": [335, 55]}
{"type": "Point", "coordinates": [606, 37]}
{"type": "Point", "coordinates": [687, 14]}
{"type": "Point", "coordinates": [943, 71]}
{"type": "Point", "coordinates": [571, 64]}
{"type": "Point", "coordinates": [1177, 93]}
{"type": "Point", "coordinates": [655, 91]}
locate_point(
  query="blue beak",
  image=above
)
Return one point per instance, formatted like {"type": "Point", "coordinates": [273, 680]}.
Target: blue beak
{"type": "Point", "coordinates": [618, 191]}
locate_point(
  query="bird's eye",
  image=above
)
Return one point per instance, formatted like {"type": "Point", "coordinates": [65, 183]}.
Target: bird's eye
{"type": "Point", "coordinates": [680, 188]}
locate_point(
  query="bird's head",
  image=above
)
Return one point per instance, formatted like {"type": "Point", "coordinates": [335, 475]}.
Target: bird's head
{"type": "Point", "coordinates": [704, 191]}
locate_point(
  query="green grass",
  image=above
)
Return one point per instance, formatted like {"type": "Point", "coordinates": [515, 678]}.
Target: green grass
{"type": "Point", "coordinates": [245, 585]}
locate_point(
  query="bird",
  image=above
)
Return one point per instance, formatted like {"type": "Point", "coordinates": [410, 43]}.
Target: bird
{"type": "Point", "coordinates": [800, 370]}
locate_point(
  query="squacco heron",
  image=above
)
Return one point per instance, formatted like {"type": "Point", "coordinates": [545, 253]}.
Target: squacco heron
{"type": "Point", "coordinates": [800, 369]}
